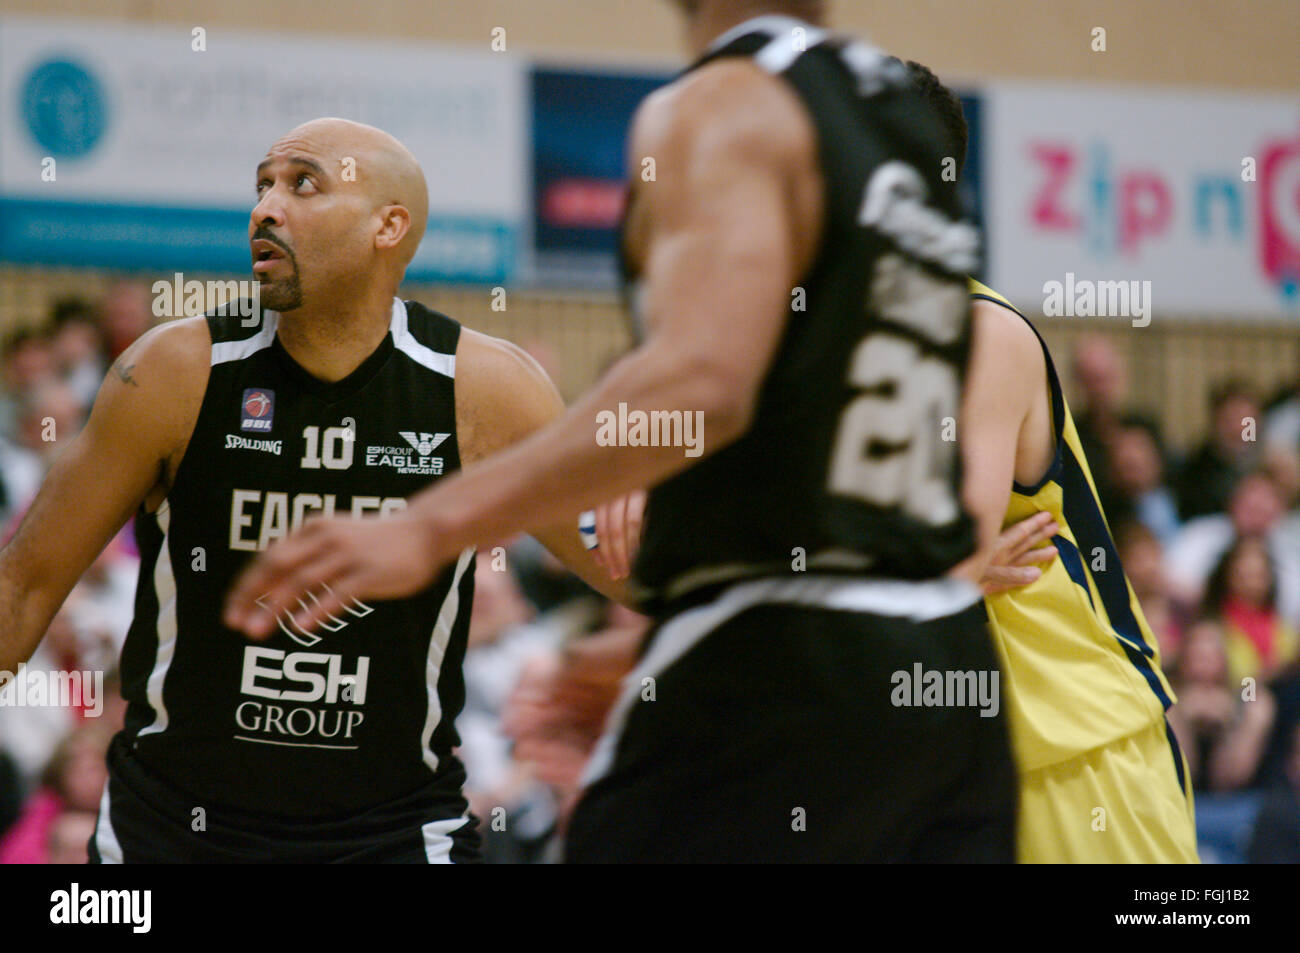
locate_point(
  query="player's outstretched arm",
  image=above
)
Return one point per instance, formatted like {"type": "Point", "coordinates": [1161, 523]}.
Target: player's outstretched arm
{"type": "Point", "coordinates": [725, 235]}
{"type": "Point", "coordinates": [136, 431]}
{"type": "Point", "coordinates": [502, 396]}
{"type": "Point", "coordinates": [1005, 378]}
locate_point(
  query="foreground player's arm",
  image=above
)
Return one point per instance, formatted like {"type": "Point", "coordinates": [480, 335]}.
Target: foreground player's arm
{"type": "Point", "coordinates": [502, 396]}
{"type": "Point", "coordinates": [1006, 377]}
{"type": "Point", "coordinates": [140, 421]}
{"type": "Point", "coordinates": [734, 156]}
{"type": "Point", "coordinates": [719, 263]}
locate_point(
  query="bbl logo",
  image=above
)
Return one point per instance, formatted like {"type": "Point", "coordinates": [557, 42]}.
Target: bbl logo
{"type": "Point", "coordinates": [258, 410]}
{"type": "Point", "coordinates": [64, 107]}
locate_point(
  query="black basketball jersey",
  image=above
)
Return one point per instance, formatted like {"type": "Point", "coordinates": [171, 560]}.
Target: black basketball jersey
{"type": "Point", "coordinates": [850, 463]}
{"type": "Point", "coordinates": [361, 712]}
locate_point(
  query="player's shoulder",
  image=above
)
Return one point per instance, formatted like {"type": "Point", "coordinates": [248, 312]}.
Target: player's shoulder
{"type": "Point", "coordinates": [485, 361]}
{"type": "Point", "coordinates": [729, 103]}
{"type": "Point", "coordinates": [502, 393]}
{"type": "Point", "coordinates": [173, 350]}
{"type": "Point", "coordinates": [155, 387]}
{"type": "Point", "coordinates": [1000, 319]}
{"type": "Point", "coordinates": [1001, 331]}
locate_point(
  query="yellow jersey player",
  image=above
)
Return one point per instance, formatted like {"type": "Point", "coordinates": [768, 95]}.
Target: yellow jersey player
{"type": "Point", "coordinates": [1101, 777]}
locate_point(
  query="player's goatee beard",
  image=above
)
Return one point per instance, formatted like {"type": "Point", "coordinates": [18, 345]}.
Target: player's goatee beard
{"type": "Point", "coordinates": [283, 295]}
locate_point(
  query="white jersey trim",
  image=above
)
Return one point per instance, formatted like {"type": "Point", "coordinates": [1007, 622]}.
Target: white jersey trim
{"type": "Point", "coordinates": [438, 841]}
{"type": "Point", "coordinates": [164, 587]}
{"type": "Point", "coordinates": [782, 49]}
{"type": "Point", "coordinates": [404, 341]}
{"type": "Point", "coordinates": [110, 851]}
{"type": "Point", "coordinates": [238, 350]}
{"type": "Point", "coordinates": [437, 649]}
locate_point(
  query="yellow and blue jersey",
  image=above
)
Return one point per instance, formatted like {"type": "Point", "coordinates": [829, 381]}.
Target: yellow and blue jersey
{"type": "Point", "coordinates": [1082, 665]}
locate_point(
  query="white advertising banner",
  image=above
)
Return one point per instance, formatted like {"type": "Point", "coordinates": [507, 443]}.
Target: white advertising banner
{"type": "Point", "coordinates": [1197, 193]}
{"type": "Point", "coordinates": [131, 146]}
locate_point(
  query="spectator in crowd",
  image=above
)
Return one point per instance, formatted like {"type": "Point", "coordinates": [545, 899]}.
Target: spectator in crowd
{"type": "Point", "coordinates": [1282, 422]}
{"type": "Point", "coordinates": [79, 349]}
{"type": "Point", "coordinates": [50, 416]}
{"type": "Point", "coordinates": [509, 643]}
{"type": "Point", "coordinates": [1242, 595]}
{"type": "Point", "coordinates": [1255, 509]}
{"type": "Point", "coordinates": [1137, 480]}
{"type": "Point", "coordinates": [26, 359]}
{"type": "Point", "coordinates": [1207, 478]}
{"type": "Point", "coordinates": [1143, 558]}
{"type": "Point", "coordinates": [1276, 838]}
{"type": "Point", "coordinates": [29, 733]}
{"type": "Point", "coordinates": [21, 471]}
{"type": "Point", "coordinates": [1100, 384]}
{"type": "Point", "coordinates": [73, 781]}
{"type": "Point", "coordinates": [102, 603]}
{"type": "Point", "coordinates": [559, 707]}
{"type": "Point", "coordinates": [1285, 687]}
{"type": "Point", "coordinates": [70, 836]}
{"type": "Point", "coordinates": [125, 313]}
{"type": "Point", "coordinates": [516, 813]}
{"type": "Point", "coordinates": [1221, 726]}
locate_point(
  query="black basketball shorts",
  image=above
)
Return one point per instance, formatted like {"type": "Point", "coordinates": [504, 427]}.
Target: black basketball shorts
{"type": "Point", "coordinates": [798, 721]}
{"type": "Point", "coordinates": [142, 819]}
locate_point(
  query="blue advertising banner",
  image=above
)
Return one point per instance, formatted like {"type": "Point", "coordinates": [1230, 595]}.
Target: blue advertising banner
{"type": "Point", "coordinates": [580, 125]}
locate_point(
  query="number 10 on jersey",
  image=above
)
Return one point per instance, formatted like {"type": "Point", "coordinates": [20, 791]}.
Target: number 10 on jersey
{"type": "Point", "coordinates": [332, 450]}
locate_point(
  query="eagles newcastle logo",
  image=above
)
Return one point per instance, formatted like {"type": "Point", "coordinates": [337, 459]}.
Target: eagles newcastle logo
{"type": "Point", "coordinates": [425, 443]}
{"type": "Point", "coordinates": [412, 459]}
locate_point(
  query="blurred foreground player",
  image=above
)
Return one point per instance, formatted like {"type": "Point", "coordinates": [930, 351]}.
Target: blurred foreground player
{"type": "Point", "coordinates": [1102, 779]}
{"type": "Point", "coordinates": [224, 434]}
{"type": "Point", "coordinates": [798, 267]}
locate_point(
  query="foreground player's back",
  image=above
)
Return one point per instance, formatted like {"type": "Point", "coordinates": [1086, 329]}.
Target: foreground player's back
{"type": "Point", "coordinates": [844, 460]}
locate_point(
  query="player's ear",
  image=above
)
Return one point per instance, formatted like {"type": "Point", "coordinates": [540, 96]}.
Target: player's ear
{"type": "Point", "coordinates": [394, 223]}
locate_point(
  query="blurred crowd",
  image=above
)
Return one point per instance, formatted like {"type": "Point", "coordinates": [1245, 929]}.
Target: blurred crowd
{"type": "Point", "coordinates": [1210, 540]}
{"type": "Point", "coordinates": [52, 767]}
{"type": "Point", "coordinates": [1209, 537]}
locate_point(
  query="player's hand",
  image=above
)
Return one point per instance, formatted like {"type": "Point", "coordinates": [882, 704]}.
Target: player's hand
{"type": "Point", "coordinates": [618, 533]}
{"type": "Point", "coordinates": [316, 577]}
{"type": "Point", "coordinates": [557, 711]}
{"type": "Point", "coordinates": [1019, 553]}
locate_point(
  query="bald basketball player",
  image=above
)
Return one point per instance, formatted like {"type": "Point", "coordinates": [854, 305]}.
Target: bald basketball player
{"type": "Point", "coordinates": [333, 745]}
{"type": "Point", "coordinates": [799, 268]}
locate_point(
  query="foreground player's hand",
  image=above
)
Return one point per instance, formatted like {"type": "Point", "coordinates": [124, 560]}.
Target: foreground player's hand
{"type": "Point", "coordinates": [618, 533]}
{"type": "Point", "coordinates": [1019, 554]}
{"type": "Point", "coordinates": [317, 574]}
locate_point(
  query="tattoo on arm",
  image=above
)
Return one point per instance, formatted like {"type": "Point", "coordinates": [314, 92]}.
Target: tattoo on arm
{"type": "Point", "coordinates": [123, 371]}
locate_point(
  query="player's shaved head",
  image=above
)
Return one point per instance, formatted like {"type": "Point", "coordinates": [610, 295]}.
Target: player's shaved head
{"type": "Point", "coordinates": [384, 168]}
{"type": "Point", "coordinates": [343, 204]}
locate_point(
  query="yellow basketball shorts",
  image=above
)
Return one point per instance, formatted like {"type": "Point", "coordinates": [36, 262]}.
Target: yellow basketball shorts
{"type": "Point", "coordinates": [1121, 803]}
